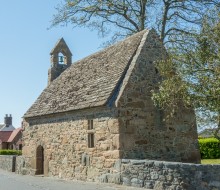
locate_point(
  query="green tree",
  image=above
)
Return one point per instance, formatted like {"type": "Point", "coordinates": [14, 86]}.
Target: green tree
{"type": "Point", "coordinates": [193, 76]}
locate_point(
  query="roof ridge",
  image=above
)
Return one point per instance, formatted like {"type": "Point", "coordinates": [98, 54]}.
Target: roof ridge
{"type": "Point", "coordinates": [93, 54]}
{"type": "Point", "coordinates": [108, 47]}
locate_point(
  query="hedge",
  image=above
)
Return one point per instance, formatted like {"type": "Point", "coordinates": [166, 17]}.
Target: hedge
{"type": "Point", "coordinates": [209, 148]}
{"type": "Point", "coordinates": [10, 152]}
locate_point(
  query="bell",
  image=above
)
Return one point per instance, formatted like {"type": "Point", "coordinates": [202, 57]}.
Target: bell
{"type": "Point", "coordinates": [61, 59]}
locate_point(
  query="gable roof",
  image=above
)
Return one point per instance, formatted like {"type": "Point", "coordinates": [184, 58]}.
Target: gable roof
{"type": "Point", "coordinates": [14, 134]}
{"type": "Point", "coordinates": [60, 46]}
{"type": "Point", "coordinates": [1, 126]}
{"type": "Point", "coordinates": [4, 135]}
{"type": "Point", "coordinates": [89, 82]}
{"type": "Point", "coordinates": [7, 128]}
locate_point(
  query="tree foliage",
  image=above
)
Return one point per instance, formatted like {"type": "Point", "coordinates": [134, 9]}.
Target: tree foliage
{"type": "Point", "coordinates": [193, 76]}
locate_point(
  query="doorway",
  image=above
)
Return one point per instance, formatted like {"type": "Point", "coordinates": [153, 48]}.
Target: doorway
{"type": "Point", "coordinates": [39, 160]}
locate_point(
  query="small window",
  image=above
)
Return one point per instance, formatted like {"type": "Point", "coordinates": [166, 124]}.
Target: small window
{"type": "Point", "coordinates": [90, 140]}
{"type": "Point", "coordinates": [90, 124]}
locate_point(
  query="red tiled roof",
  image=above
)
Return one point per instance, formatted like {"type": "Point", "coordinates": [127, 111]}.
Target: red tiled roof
{"type": "Point", "coordinates": [14, 134]}
{"type": "Point", "coordinates": [4, 135]}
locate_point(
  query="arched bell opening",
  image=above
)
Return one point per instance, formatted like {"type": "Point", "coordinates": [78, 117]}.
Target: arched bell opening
{"type": "Point", "coordinates": [61, 59]}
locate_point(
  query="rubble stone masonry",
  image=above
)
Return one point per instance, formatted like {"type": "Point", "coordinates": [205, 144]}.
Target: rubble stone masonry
{"type": "Point", "coordinates": [8, 162]}
{"type": "Point", "coordinates": [126, 124]}
{"type": "Point", "coordinates": [65, 143]}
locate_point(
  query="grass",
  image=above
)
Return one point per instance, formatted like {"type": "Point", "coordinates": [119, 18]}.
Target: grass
{"type": "Point", "coordinates": [210, 161]}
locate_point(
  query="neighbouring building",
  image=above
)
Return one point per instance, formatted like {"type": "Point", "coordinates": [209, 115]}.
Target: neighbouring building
{"type": "Point", "coordinates": [99, 109]}
{"type": "Point", "coordinates": [207, 133]}
{"type": "Point", "coordinates": [10, 138]}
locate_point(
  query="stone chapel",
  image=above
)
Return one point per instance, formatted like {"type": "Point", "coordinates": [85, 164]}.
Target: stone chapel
{"type": "Point", "coordinates": [99, 110]}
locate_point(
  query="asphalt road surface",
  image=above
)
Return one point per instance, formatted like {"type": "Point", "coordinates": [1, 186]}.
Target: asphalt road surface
{"type": "Point", "coordinates": [12, 181]}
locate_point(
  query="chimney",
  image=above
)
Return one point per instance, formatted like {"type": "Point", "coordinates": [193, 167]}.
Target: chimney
{"type": "Point", "coordinates": [8, 120]}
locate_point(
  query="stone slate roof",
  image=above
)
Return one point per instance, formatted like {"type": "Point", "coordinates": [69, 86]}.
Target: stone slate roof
{"type": "Point", "coordinates": [89, 82]}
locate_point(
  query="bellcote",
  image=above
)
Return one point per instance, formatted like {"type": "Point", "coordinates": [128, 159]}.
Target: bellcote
{"type": "Point", "coordinates": [61, 48]}
{"type": "Point", "coordinates": [60, 58]}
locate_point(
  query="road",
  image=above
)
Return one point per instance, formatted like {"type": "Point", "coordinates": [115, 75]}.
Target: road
{"type": "Point", "coordinates": [12, 181]}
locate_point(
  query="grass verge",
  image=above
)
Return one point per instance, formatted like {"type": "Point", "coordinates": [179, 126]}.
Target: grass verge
{"type": "Point", "coordinates": [210, 161]}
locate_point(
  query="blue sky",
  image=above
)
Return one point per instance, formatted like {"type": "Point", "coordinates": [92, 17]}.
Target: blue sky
{"type": "Point", "coordinates": [25, 44]}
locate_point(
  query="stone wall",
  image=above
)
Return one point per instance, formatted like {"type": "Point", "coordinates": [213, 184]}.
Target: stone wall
{"type": "Point", "coordinates": [150, 174]}
{"type": "Point", "coordinates": [143, 131]}
{"type": "Point", "coordinates": [168, 175]}
{"type": "Point", "coordinates": [64, 139]}
{"type": "Point", "coordinates": [21, 166]}
{"type": "Point", "coordinates": [160, 175]}
{"type": "Point", "coordinates": [7, 162]}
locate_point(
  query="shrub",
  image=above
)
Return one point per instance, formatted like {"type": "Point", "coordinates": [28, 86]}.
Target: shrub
{"type": "Point", "coordinates": [209, 148]}
{"type": "Point", "coordinates": [201, 137]}
{"type": "Point", "coordinates": [10, 152]}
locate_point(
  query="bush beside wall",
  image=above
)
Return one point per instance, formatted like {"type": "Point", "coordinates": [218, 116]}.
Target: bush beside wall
{"type": "Point", "coordinates": [209, 148]}
{"type": "Point", "coordinates": [10, 152]}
